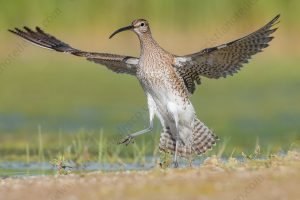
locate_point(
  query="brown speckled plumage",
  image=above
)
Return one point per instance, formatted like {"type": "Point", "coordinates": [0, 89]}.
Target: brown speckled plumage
{"type": "Point", "coordinates": [168, 80]}
{"type": "Point", "coordinates": [225, 59]}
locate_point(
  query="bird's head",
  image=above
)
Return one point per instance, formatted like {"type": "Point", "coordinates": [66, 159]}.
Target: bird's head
{"type": "Point", "coordinates": [139, 26]}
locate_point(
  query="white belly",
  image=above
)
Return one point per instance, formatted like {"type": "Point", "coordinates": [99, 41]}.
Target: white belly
{"type": "Point", "coordinates": [170, 108]}
{"type": "Point", "coordinates": [170, 103]}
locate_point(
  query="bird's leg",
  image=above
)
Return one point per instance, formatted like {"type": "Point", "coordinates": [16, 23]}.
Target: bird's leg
{"type": "Point", "coordinates": [130, 138]}
{"type": "Point", "coordinates": [190, 161]}
{"type": "Point", "coordinates": [176, 165]}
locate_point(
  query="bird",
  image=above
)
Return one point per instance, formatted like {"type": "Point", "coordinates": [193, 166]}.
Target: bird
{"type": "Point", "coordinates": [168, 80]}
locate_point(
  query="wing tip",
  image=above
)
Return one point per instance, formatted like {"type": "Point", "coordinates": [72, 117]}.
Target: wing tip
{"type": "Point", "coordinates": [19, 31]}
{"type": "Point", "coordinates": [24, 30]}
{"type": "Point", "coordinates": [275, 20]}
{"type": "Point", "coordinates": [38, 29]}
{"type": "Point", "coordinates": [27, 29]}
{"type": "Point", "coordinates": [12, 31]}
{"type": "Point", "coordinates": [277, 17]}
{"type": "Point", "coordinates": [16, 31]}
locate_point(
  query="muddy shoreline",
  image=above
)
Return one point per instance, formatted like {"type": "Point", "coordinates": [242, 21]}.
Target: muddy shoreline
{"type": "Point", "coordinates": [277, 178]}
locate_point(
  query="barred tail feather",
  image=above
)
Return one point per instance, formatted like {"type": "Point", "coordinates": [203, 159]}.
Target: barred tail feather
{"type": "Point", "coordinates": [203, 140]}
{"type": "Point", "coordinates": [168, 144]}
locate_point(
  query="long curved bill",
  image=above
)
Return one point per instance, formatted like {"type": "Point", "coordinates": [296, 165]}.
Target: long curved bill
{"type": "Point", "coordinates": [121, 30]}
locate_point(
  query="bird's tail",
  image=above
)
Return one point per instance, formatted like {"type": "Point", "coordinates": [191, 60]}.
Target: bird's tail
{"type": "Point", "coordinates": [168, 144]}
{"type": "Point", "coordinates": [203, 140]}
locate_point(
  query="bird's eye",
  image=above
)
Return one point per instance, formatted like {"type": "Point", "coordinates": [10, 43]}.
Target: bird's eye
{"type": "Point", "coordinates": [142, 24]}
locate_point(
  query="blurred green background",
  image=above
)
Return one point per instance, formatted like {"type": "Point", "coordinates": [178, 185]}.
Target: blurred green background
{"type": "Point", "coordinates": [51, 102]}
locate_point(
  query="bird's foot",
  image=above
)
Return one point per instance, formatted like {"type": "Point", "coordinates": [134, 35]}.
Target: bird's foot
{"type": "Point", "coordinates": [128, 140]}
{"type": "Point", "coordinates": [176, 165]}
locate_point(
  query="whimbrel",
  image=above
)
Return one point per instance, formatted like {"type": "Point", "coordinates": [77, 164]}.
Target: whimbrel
{"type": "Point", "coordinates": [168, 80]}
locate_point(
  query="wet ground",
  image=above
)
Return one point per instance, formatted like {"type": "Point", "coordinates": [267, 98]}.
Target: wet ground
{"type": "Point", "coordinates": [24, 170]}
{"type": "Point", "coordinates": [274, 178]}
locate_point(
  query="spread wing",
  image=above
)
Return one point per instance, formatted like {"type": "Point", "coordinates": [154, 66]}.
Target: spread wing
{"type": "Point", "coordinates": [116, 63]}
{"type": "Point", "coordinates": [223, 60]}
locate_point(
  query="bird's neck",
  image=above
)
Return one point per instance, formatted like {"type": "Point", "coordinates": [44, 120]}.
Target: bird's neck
{"type": "Point", "coordinates": [148, 44]}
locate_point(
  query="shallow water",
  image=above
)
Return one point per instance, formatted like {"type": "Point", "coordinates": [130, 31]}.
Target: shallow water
{"type": "Point", "coordinates": [20, 169]}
